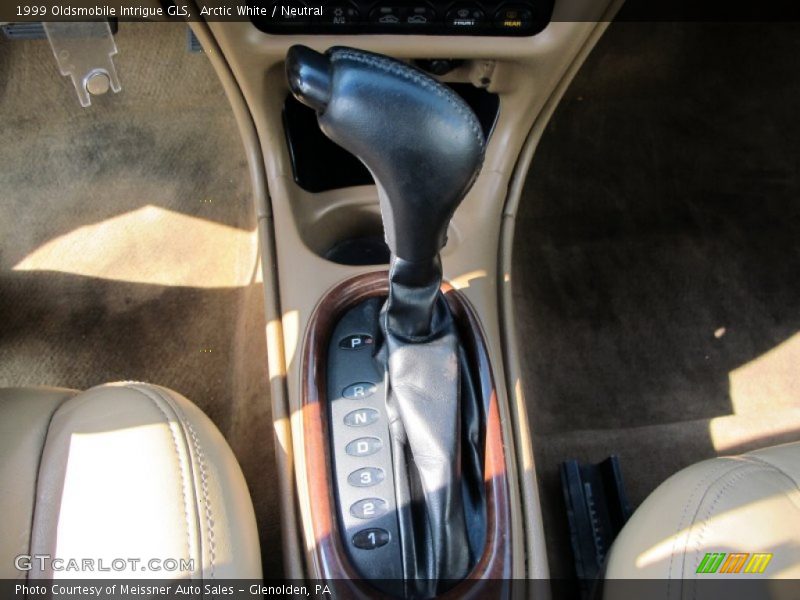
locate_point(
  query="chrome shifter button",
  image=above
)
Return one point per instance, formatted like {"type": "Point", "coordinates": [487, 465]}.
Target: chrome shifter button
{"type": "Point", "coordinates": [363, 446]}
{"type": "Point", "coordinates": [368, 508]}
{"type": "Point", "coordinates": [366, 477]}
{"type": "Point", "coordinates": [356, 341]}
{"type": "Point", "coordinates": [361, 417]}
{"type": "Point", "coordinates": [362, 389]}
{"type": "Point", "coordinates": [369, 539]}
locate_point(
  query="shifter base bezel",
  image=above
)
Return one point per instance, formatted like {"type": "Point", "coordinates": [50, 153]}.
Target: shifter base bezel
{"type": "Point", "coordinates": [492, 573]}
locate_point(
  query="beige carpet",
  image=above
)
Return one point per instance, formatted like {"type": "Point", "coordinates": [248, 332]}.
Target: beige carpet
{"type": "Point", "coordinates": [127, 242]}
{"type": "Point", "coordinates": [656, 284]}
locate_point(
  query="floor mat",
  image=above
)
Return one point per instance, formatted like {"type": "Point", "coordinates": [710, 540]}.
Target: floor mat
{"type": "Point", "coordinates": [127, 242]}
{"type": "Point", "coordinates": [657, 285]}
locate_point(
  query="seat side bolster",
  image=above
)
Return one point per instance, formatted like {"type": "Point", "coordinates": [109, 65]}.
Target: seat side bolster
{"type": "Point", "coordinates": [25, 415]}
{"type": "Point", "coordinates": [653, 542]}
{"type": "Point", "coordinates": [226, 517]}
{"type": "Point", "coordinates": [136, 472]}
{"type": "Point", "coordinates": [740, 505]}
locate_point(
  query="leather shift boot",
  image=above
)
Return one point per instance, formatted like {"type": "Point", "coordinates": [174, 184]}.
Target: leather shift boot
{"type": "Point", "coordinates": [435, 422]}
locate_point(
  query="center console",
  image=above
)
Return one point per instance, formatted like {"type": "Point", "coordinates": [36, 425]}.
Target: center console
{"type": "Point", "coordinates": [330, 277]}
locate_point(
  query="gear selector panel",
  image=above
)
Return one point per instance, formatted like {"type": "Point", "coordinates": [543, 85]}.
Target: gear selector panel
{"type": "Point", "coordinates": [361, 450]}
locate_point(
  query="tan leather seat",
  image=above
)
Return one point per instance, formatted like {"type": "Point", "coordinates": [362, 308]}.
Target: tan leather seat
{"type": "Point", "coordinates": [118, 474]}
{"type": "Point", "coordinates": [746, 507]}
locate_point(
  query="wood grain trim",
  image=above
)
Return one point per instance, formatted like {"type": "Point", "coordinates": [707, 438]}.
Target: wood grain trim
{"type": "Point", "coordinates": [490, 577]}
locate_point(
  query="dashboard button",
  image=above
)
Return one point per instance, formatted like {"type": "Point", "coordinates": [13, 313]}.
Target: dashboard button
{"type": "Point", "coordinates": [369, 508]}
{"type": "Point", "coordinates": [513, 18]}
{"type": "Point", "coordinates": [342, 15]}
{"type": "Point", "coordinates": [420, 15]}
{"type": "Point", "coordinates": [466, 16]}
{"type": "Point", "coordinates": [369, 539]}
{"type": "Point", "coordinates": [362, 389]}
{"type": "Point", "coordinates": [366, 477]}
{"type": "Point", "coordinates": [365, 446]}
{"type": "Point", "coordinates": [361, 417]}
{"type": "Point", "coordinates": [355, 342]}
{"type": "Point", "coordinates": [387, 15]}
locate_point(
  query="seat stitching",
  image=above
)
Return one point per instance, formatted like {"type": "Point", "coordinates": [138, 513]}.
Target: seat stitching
{"type": "Point", "coordinates": [703, 482]}
{"type": "Point", "coordinates": [39, 471]}
{"type": "Point", "coordinates": [204, 487]}
{"type": "Point", "coordinates": [734, 477]}
{"type": "Point", "coordinates": [144, 392]}
{"type": "Point", "coordinates": [774, 467]}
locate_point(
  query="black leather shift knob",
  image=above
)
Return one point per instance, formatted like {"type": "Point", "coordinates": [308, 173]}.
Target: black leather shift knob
{"type": "Point", "coordinates": [423, 145]}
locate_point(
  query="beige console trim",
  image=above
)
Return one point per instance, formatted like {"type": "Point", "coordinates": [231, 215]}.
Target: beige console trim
{"type": "Point", "coordinates": [524, 72]}
{"type": "Point", "coordinates": [535, 540]}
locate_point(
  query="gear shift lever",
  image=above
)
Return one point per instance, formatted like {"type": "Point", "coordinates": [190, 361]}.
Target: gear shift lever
{"type": "Point", "coordinates": [422, 143]}
{"type": "Point", "coordinates": [424, 147]}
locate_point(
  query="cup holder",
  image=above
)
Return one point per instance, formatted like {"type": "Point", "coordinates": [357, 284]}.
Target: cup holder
{"type": "Point", "coordinates": [344, 227]}
{"type": "Point", "coordinates": [360, 251]}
